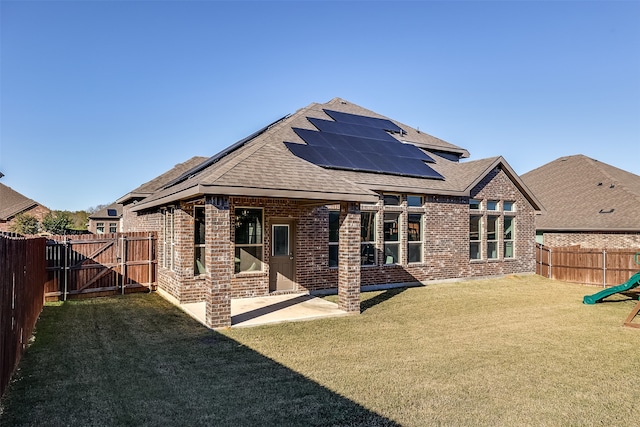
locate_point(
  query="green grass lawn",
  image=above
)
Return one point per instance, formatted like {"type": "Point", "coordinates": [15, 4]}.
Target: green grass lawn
{"type": "Point", "coordinates": [514, 351]}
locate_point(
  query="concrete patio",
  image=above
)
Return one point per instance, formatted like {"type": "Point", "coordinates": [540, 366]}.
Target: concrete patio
{"type": "Point", "coordinates": [247, 312]}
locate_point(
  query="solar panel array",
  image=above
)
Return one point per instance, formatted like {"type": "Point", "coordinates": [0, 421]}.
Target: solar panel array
{"type": "Point", "coordinates": [361, 143]}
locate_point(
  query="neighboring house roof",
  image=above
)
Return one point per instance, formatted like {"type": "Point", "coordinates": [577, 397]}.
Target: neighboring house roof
{"type": "Point", "coordinates": [12, 203]}
{"type": "Point", "coordinates": [262, 165]}
{"type": "Point", "coordinates": [583, 194]}
{"type": "Point", "coordinates": [113, 211]}
{"type": "Point", "coordinates": [157, 183]}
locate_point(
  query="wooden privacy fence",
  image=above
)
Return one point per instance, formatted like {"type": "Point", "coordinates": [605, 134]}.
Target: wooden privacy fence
{"type": "Point", "coordinates": [104, 264]}
{"type": "Point", "coordinates": [604, 267]}
{"type": "Point", "coordinates": [22, 278]}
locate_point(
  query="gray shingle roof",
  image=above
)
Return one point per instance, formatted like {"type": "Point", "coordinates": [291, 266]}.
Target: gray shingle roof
{"type": "Point", "coordinates": [265, 167]}
{"type": "Point", "coordinates": [113, 211]}
{"type": "Point", "coordinates": [583, 194]}
{"type": "Point", "coordinates": [12, 203]}
{"type": "Point", "coordinates": [157, 183]}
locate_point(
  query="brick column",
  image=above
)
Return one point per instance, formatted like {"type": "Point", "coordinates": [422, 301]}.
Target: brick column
{"type": "Point", "coordinates": [349, 258]}
{"type": "Point", "coordinates": [219, 262]}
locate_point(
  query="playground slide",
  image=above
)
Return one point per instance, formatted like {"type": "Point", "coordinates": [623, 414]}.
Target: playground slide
{"type": "Point", "coordinates": [633, 282]}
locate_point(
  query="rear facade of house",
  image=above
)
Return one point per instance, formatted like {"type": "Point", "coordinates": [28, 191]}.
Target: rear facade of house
{"type": "Point", "coordinates": [333, 198]}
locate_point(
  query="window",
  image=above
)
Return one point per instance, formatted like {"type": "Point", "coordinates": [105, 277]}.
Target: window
{"type": "Point", "coordinates": [508, 237]}
{"type": "Point", "coordinates": [492, 205]}
{"type": "Point", "coordinates": [248, 240]}
{"type": "Point", "coordinates": [113, 227]}
{"type": "Point", "coordinates": [367, 238]}
{"type": "Point", "coordinates": [280, 236]}
{"type": "Point", "coordinates": [199, 264]}
{"type": "Point", "coordinates": [391, 199]}
{"type": "Point", "coordinates": [475, 234]}
{"type": "Point", "coordinates": [414, 238]}
{"type": "Point", "coordinates": [100, 228]}
{"type": "Point", "coordinates": [508, 206]}
{"type": "Point", "coordinates": [414, 201]}
{"type": "Point", "coordinates": [392, 237]}
{"type": "Point", "coordinates": [475, 204]}
{"type": "Point", "coordinates": [168, 239]}
{"type": "Point", "coordinates": [334, 237]}
{"type": "Point", "coordinates": [492, 236]}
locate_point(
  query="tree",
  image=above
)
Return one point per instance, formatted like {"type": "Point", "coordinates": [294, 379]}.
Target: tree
{"type": "Point", "coordinates": [25, 224]}
{"type": "Point", "coordinates": [57, 222]}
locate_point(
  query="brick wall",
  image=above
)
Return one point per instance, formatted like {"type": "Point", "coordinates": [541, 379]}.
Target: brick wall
{"type": "Point", "coordinates": [219, 260]}
{"type": "Point", "coordinates": [594, 240]}
{"type": "Point", "coordinates": [445, 245]}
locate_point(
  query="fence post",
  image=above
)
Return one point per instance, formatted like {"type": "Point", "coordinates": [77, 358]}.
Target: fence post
{"type": "Point", "coordinates": [66, 268]}
{"type": "Point", "coordinates": [123, 262]}
{"type": "Point", "coordinates": [604, 268]}
{"type": "Point", "coordinates": [550, 258]}
{"type": "Point", "coordinates": [150, 261]}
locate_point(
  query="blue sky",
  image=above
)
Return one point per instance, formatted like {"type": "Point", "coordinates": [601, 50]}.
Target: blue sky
{"type": "Point", "coordinates": [98, 97]}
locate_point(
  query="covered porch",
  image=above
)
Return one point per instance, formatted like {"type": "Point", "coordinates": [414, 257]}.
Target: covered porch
{"type": "Point", "coordinates": [246, 312]}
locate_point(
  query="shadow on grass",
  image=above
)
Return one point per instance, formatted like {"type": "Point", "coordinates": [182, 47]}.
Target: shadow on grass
{"type": "Point", "coordinates": [379, 299]}
{"type": "Point", "coordinates": [137, 360]}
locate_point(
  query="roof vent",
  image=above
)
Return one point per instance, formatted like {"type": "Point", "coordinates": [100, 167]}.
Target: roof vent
{"type": "Point", "coordinates": [606, 211]}
{"type": "Point", "coordinates": [612, 186]}
{"type": "Point", "coordinates": [599, 184]}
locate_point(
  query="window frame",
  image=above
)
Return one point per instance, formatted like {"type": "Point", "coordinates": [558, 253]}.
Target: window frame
{"type": "Point", "coordinates": [493, 245]}
{"type": "Point", "coordinates": [334, 244]}
{"type": "Point", "coordinates": [199, 245]}
{"type": "Point", "coordinates": [415, 243]}
{"type": "Point", "coordinates": [259, 246]}
{"type": "Point", "coordinates": [365, 244]}
{"type": "Point", "coordinates": [477, 241]}
{"type": "Point", "coordinates": [512, 240]}
{"type": "Point", "coordinates": [392, 243]}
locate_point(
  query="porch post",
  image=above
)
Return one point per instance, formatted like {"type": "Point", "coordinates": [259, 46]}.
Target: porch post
{"type": "Point", "coordinates": [349, 258]}
{"type": "Point", "coordinates": [219, 262]}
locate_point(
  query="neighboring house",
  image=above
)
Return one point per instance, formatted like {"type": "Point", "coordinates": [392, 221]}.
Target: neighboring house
{"type": "Point", "coordinates": [588, 203]}
{"type": "Point", "coordinates": [106, 220]}
{"type": "Point", "coordinates": [130, 199]}
{"type": "Point", "coordinates": [335, 197]}
{"type": "Point", "coordinates": [13, 203]}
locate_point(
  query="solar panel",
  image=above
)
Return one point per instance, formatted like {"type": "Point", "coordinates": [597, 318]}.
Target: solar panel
{"type": "Point", "coordinates": [362, 144]}
{"type": "Point", "coordinates": [364, 121]}
{"type": "Point", "coordinates": [351, 129]}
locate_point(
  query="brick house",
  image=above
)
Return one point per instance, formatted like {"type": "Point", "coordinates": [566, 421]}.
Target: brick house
{"type": "Point", "coordinates": [13, 203]}
{"type": "Point", "coordinates": [334, 197]}
{"type": "Point", "coordinates": [588, 203]}
{"type": "Point", "coordinates": [106, 220]}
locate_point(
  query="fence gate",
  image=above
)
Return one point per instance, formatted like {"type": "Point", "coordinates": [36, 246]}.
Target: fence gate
{"type": "Point", "coordinates": [93, 265]}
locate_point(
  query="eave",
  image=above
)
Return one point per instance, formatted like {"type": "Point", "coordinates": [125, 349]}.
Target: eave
{"type": "Point", "coordinates": [199, 190]}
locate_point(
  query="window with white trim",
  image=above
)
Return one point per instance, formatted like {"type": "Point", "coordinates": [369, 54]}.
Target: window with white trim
{"type": "Point", "coordinates": [475, 237]}
{"type": "Point", "coordinates": [334, 237]}
{"type": "Point", "coordinates": [392, 237]}
{"type": "Point", "coordinates": [249, 241]}
{"type": "Point", "coordinates": [113, 227]}
{"type": "Point", "coordinates": [199, 263]}
{"type": "Point", "coordinates": [414, 238]}
{"type": "Point", "coordinates": [492, 236]}
{"type": "Point", "coordinates": [508, 236]}
{"type": "Point", "coordinates": [367, 238]}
